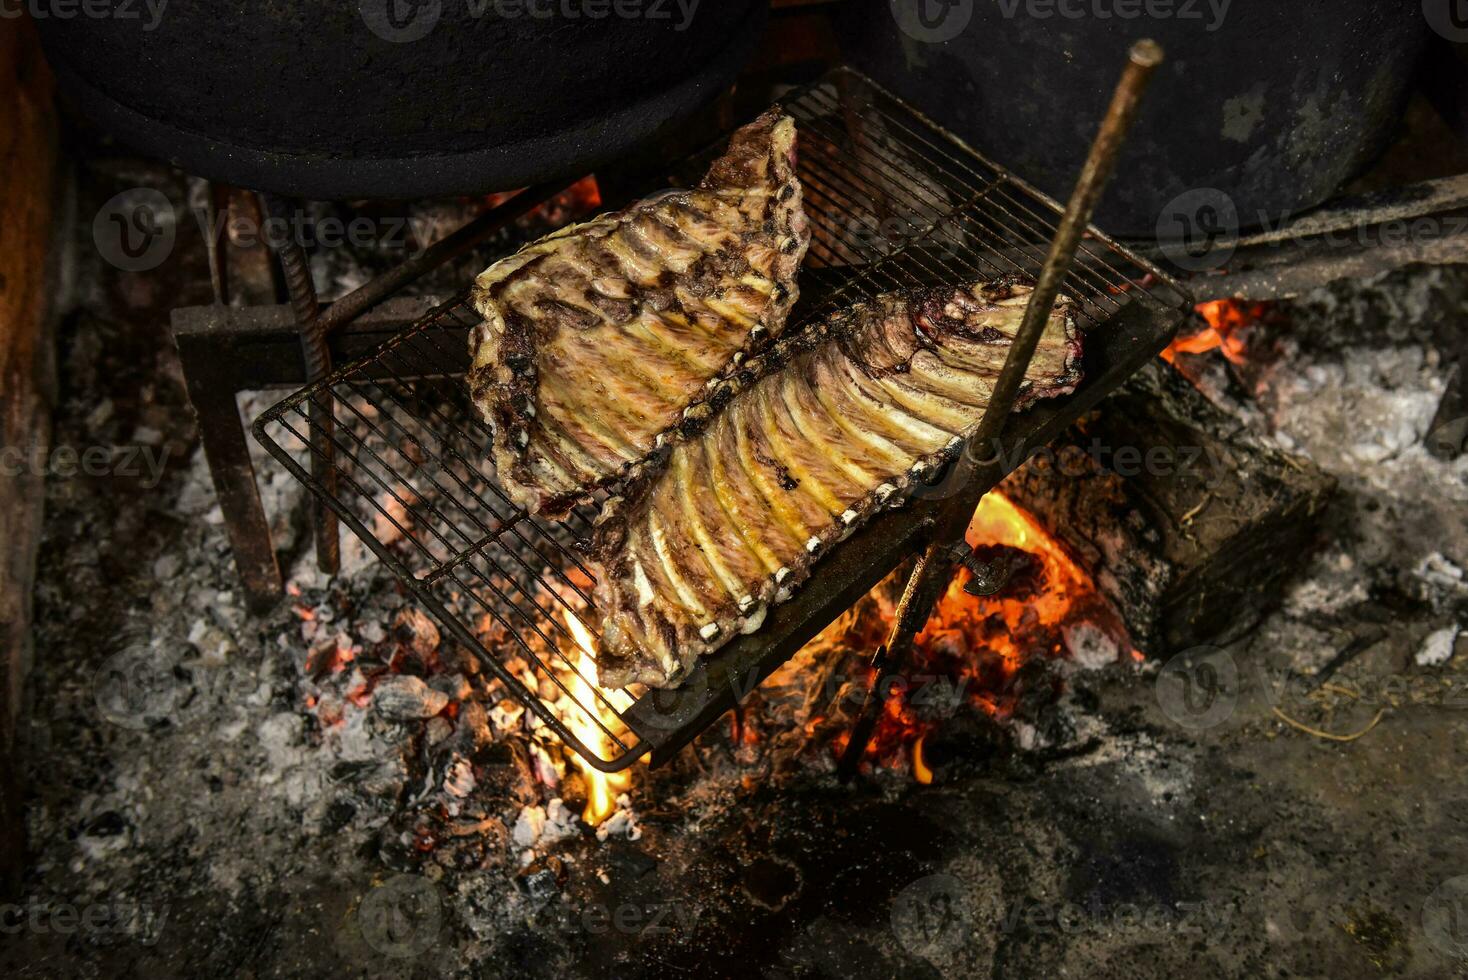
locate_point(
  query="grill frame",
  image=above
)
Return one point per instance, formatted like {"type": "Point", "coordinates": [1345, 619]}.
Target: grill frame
{"type": "Point", "coordinates": [956, 215]}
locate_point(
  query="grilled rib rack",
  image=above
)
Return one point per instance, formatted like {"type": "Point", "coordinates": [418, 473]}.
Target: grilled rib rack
{"type": "Point", "coordinates": [893, 202]}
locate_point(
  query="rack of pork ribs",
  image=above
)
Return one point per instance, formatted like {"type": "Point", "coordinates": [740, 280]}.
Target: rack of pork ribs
{"type": "Point", "coordinates": [904, 228]}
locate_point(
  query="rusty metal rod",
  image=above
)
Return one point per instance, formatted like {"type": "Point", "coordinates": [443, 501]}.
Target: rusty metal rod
{"type": "Point", "coordinates": [307, 308]}
{"type": "Point", "coordinates": [935, 567]}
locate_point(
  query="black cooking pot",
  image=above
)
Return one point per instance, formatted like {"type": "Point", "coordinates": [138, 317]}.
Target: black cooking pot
{"type": "Point", "coordinates": [396, 98]}
{"type": "Point", "coordinates": [1265, 106]}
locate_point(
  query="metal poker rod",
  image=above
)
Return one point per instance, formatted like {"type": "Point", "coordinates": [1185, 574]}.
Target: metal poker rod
{"type": "Point", "coordinates": [935, 567]}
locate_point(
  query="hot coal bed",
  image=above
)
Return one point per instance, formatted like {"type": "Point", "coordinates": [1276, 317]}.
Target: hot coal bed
{"type": "Point", "coordinates": [1195, 708]}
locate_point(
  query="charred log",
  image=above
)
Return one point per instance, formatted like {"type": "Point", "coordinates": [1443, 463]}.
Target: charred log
{"type": "Point", "coordinates": [1188, 522]}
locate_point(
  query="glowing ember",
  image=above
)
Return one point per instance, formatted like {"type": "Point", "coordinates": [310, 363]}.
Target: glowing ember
{"type": "Point", "coordinates": [576, 201]}
{"type": "Point", "coordinates": [973, 648]}
{"type": "Point", "coordinates": [998, 522]}
{"type": "Point", "coordinates": [602, 788]}
{"type": "Point", "coordinates": [1229, 323]}
{"type": "Point", "coordinates": [920, 770]}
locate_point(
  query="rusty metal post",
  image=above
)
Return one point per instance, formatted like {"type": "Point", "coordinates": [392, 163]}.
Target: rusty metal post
{"type": "Point", "coordinates": [297, 270]}
{"type": "Point", "coordinates": [935, 567]}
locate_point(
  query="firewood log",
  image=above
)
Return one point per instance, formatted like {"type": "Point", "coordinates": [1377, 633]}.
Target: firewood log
{"type": "Point", "coordinates": [1188, 522]}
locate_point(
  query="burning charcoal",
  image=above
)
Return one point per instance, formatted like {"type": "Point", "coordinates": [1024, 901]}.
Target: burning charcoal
{"type": "Point", "coordinates": [461, 855]}
{"type": "Point", "coordinates": [541, 880]}
{"type": "Point", "coordinates": [492, 827]}
{"type": "Point", "coordinates": [458, 780]}
{"type": "Point", "coordinates": [1012, 572]}
{"type": "Point", "coordinates": [540, 826]}
{"type": "Point", "coordinates": [542, 767]}
{"type": "Point", "coordinates": [454, 686]}
{"type": "Point", "coordinates": [622, 822]}
{"type": "Point", "coordinates": [507, 714]}
{"type": "Point", "coordinates": [948, 644]}
{"type": "Point", "coordinates": [328, 657]}
{"type": "Point", "coordinates": [474, 724]}
{"type": "Point", "coordinates": [439, 728]}
{"type": "Point", "coordinates": [455, 657]}
{"type": "Point", "coordinates": [390, 518]}
{"type": "Point", "coordinates": [416, 631]}
{"type": "Point", "coordinates": [404, 698]}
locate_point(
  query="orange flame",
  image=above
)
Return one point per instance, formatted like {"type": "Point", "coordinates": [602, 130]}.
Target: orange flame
{"type": "Point", "coordinates": [1229, 322]}
{"type": "Point", "coordinates": [981, 642]}
{"type": "Point", "coordinates": [920, 770]}
{"type": "Point", "coordinates": [997, 521]}
{"type": "Point", "coordinates": [602, 788]}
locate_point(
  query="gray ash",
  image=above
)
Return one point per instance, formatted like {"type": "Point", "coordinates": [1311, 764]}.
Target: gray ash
{"type": "Point", "coordinates": [258, 805]}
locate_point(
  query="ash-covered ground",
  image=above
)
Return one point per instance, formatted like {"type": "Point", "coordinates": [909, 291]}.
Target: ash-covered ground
{"type": "Point", "coordinates": [332, 789]}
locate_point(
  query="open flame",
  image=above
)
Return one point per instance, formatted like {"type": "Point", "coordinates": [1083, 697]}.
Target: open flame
{"type": "Point", "coordinates": [920, 770]}
{"type": "Point", "coordinates": [979, 643]}
{"type": "Point", "coordinates": [1063, 589]}
{"type": "Point", "coordinates": [602, 788]}
{"type": "Point", "coordinates": [971, 656]}
{"type": "Point", "coordinates": [1229, 323]}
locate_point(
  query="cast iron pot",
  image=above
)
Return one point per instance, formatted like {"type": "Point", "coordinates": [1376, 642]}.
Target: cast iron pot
{"type": "Point", "coordinates": [397, 98]}
{"type": "Point", "coordinates": [1274, 104]}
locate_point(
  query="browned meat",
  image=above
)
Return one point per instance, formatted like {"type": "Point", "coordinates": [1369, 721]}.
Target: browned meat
{"type": "Point", "coordinates": [600, 338]}
{"type": "Point", "coordinates": [820, 434]}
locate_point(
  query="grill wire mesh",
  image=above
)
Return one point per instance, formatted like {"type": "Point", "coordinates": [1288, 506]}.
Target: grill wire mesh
{"type": "Point", "coordinates": [893, 202]}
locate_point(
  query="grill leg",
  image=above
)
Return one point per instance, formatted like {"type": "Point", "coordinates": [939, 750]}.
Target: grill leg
{"type": "Point", "coordinates": [212, 393]}
{"type": "Point", "coordinates": [297, 271]}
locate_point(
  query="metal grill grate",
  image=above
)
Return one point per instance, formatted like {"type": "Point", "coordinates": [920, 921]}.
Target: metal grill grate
{"type": "Point", "coordinates": [893, 202]}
